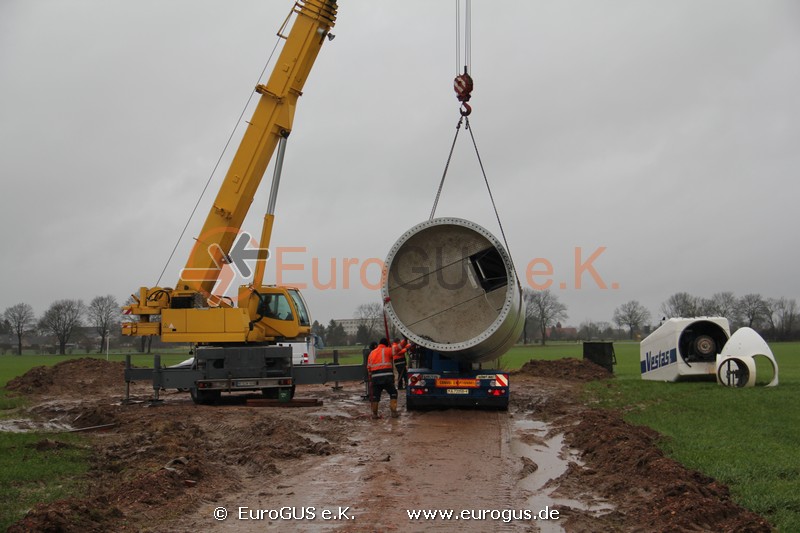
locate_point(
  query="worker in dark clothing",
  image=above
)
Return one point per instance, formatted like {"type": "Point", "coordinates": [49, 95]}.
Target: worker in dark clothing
{"type": "Point", "coordinates": [381, 375]}
{"type": "Point", "coordinates": [399, 349]}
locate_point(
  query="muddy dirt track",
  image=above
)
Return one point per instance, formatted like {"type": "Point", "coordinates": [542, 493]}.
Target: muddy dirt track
{"type": "Point", "coordinates": [551, 463]}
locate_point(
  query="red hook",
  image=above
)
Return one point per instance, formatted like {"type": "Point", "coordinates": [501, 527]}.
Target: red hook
{"type": "Point", "coordinates": [463, 86]}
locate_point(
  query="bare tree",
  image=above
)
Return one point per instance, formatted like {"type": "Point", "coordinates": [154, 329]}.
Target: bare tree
{"type": "Point", "coordinates": [680, 304]}
{"type": "Point", "coordinates": [605, 329]}
{"type": "Point", "coordinates": [787, 316]}
{"type": "Point", "coordinates": [103, 312]}
{"type": "Point", "coordinates": [723, 304]}
{"type": "Point", "coordinates": [21, 319]}
{"type": "Point", "coordinates": [781, 314]}
{"type": "Point", "coordinates": [61, 319]}
{"type": "Point", "coordinates": [753, 309]}
{"type": "Point", "coordinates": [544, 307]}
{"type": "Point", "coordinates": [530, 325]}
{"type": "Point", "coordinates": [631, 314]}
{"type": "Point", "coordinates": [371, 316]}
{"type": "Point", "coordinates": [588, 330]}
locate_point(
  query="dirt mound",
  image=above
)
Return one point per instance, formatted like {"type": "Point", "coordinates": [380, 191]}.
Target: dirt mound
{"type": "Point", "coordinates": [71, 515]}
{"type": "Point", "coordinates": [637, 470]}
{"type": "Point", "coordinates": [85, 375]}
{"type": "Point", "coordinates": [624, 465]}
{"type": "Point", "coordinates": [163, 460]}
{"type": "Point", "coordinates": [570, 368]}
{"type": "Point", "coordinates": [105, 511]}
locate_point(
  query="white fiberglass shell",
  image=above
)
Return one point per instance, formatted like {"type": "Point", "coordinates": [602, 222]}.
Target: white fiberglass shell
{"type": "Point", "coordinates": [450, 286]}
{"type": "Point", "coordinates": [683, 349]}
{"type": "Point", "coordinates": [736, 365]}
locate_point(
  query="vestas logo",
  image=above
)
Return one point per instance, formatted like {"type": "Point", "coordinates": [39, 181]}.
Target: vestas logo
{"type": "Point", "coordinates": [653, 361]}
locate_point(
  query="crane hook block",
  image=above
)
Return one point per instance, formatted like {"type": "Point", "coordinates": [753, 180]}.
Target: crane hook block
{"type": "Point", "coordinates": [463, 86]}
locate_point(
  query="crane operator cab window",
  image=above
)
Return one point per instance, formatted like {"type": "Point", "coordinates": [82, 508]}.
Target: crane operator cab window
{"type": "Point", "coordinates": [300, 305]}
{"type": "Point", "coordinates": [277, 307]}
{"type": "Point", "coordinates": [274, 306]}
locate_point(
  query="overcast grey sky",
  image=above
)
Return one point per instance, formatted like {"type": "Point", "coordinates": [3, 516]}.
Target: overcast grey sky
{"type": "Point", "coordinates": [665, 131]}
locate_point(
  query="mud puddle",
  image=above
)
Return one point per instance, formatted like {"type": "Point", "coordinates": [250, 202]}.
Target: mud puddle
{"type": "Point", "coordinates": [22, 425]}
{"type": "Point", "coordinates": [546, 458]}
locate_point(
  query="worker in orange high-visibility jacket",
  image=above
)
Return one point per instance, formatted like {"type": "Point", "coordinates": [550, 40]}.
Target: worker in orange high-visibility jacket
{"type": "Point", "coordinates": [399, 349]}
{"type": "Point", "coordinates": [381, 375]}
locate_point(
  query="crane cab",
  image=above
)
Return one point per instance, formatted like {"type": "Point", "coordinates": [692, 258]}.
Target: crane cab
{"type": "Point", "coordinates": [264, 314]}
{"type": "Point", "coordinates": [276, 312]}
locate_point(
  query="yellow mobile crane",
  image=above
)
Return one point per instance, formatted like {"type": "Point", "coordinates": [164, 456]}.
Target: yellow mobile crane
{"type": "Point", "coordinates": [236, 346]}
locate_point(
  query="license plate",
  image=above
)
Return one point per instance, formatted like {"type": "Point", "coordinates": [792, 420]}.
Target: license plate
{"type": "Point", "coordinates": [457, 391]}
{"type": "Point", "coordinates": [460, 383]}
{"type": "Point", "coordinates": [245, 383]}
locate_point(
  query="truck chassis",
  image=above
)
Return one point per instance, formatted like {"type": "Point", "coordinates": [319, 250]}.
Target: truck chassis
{"type": "Point", "coordinates": [216, 369]}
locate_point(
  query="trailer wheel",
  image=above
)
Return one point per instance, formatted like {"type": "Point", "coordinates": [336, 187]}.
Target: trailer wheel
{"type": "Point", "coordinates": [411, 405]}
{"type": "Point", "coordinates": [204, 397]}
{"type": "Point", "coordinates": [270, 393]}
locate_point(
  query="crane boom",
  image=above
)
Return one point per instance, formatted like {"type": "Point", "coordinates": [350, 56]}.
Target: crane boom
{"type": "Point", "coordinates": [271, 120]}
{"type": "Point", "coordinates": [190, 312]}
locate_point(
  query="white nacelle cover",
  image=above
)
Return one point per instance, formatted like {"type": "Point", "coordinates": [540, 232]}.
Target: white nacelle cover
{"type": "Point", "coordinates": [683, 348]}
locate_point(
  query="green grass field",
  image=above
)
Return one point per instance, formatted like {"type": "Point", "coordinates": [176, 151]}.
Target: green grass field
{"type": "Point", "coordinates": [29, 475]}
{"type": "Point", "coordinates": [746, 438]}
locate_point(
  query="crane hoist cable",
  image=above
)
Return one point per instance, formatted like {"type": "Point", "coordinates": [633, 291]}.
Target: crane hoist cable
{"type": "Point", "coordinates": [467, 35]}
{"type": "Point", "coordinates": [465, 121]}
{"type": "Point", "coordinates": [463, 85]}
{"type": "Point", "coordinates": [216, 165]}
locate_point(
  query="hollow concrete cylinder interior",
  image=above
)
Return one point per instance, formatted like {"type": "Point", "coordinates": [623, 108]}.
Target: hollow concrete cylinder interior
{"type": "Point", "coordinates": [451, 287]}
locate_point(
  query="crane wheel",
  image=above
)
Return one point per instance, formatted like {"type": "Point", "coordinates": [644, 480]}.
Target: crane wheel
{"type": "Point", "coordinates": [204, 397]}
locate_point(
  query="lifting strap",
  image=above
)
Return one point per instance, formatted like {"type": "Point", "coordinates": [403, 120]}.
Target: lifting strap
{"type": "Point", "coordinates": [465, 120]}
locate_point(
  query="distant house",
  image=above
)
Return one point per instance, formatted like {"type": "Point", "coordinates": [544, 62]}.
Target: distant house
{"type": "Point", "coordinates": [559, 333]}
{"type": "Point", "coordinates": [35, 343]}
{"type": "Point", "coordinates": [350, 325]}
